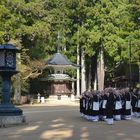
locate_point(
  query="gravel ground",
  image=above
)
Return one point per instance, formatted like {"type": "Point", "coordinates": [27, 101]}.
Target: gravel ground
{"type": "Point", "coordinates": [61, 121]}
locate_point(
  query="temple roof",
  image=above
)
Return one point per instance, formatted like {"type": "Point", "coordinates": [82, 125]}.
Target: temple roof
{"type": "Point", "coordinates": [60, 60]}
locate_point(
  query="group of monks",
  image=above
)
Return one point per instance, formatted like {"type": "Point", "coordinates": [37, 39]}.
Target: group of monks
{"type": "Point", "coordinates": [110, 104]}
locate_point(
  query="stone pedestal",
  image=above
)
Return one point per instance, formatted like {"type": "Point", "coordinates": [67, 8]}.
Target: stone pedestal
{"type": "Point", "coordinates": [11, 120]}
{"type": "Point", "coordinates": [10, 115]}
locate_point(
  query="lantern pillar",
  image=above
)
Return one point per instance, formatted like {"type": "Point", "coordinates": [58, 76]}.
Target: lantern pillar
{"type": "Point", "coordinates": [6, 84]}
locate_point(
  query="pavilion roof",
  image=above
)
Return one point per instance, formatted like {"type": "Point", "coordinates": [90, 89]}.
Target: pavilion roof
{"type": "Point", "coordinates": [59, 60]}
{"type": "Point", "coordinates": [58, 77]}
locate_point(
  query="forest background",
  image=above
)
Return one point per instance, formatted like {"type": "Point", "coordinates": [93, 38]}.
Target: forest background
{"type": "Point", "coordinates": [103, 33]}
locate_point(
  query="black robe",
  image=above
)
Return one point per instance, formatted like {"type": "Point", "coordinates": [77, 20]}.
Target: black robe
{"type": "Point", "coordinates": [123, 105]}
{"type": "Point", "coordinates": [134, 102]}
{"type": "Point", "coordinates": [110, 106]}
{"type": "Point", "coordinates": [127, 99]}
{"type": "Point", "coordinates": [94, 99]}
{"type": "Point", "coordinates": [117, 99]}
{"type": "Point", "coordinates": [102, 109]}
{"type": "Point", "coordinates": [81, 105]}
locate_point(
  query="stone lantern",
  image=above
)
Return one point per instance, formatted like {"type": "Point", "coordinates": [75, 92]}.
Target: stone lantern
{"type": "Point", "coordinates": [7, 58]}
{"type": "Point", "coordinates": [9, 114]}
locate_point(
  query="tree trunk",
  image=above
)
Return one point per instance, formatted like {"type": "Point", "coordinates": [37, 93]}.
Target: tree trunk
{"type": "Point", "coordinates": [100, 71]}
{"type": "Point", "coordinates": [94, 72]}
{"type": "Point", "coordinates": [78, 73]}
{"type": "Point", "coordinates": [95, 82]}
{"type": "Point", "coordinates": [17, 83]}
{"type": "Point", "coordinates": [89, 78]}
{"type": "Point", "coordinates": [17, 89]}
{"type": "Point", "coordinates": [83, 72]}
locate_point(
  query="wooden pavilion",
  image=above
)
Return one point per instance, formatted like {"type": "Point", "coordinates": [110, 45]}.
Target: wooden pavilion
{"type": "Point", "coordinates": [58, 82]}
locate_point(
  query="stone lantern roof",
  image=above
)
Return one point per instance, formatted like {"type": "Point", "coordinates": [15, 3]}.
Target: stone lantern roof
{"type": "Point", "coordinates": [8, 47]}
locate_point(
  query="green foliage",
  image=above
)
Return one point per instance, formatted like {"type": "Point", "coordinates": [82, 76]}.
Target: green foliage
{"type": "Point", "coordinates": [91, 24]}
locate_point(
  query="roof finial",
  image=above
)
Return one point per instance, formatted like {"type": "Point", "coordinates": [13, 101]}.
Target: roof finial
{"type": "Point", "coordinates": [58, 42]}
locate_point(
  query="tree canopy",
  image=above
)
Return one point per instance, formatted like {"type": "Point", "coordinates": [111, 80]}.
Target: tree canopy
{"type": "Point", "coordinates": [113, 25]}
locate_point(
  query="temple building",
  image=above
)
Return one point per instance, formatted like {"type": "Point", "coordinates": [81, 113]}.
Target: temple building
{"type": "Point", "coordinates": [57, 83]}
{"type": "Point", "coordinates": [125, 75]}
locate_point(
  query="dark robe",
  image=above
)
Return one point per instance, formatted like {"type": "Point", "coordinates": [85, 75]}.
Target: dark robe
{"type": "Point", "coordinates": [86, 109]}
{"type": "Point", "coordinates": [81, 105]}
{"type": "Point", "coordinates": [117, 99]}
{"type": "Point", "coordinates": [103, 109]}
{"type": "Point", "coordinates": [138, 106]}
{"type": "Point", "coordinates": [110, 106]}
{"type": "Point", "coordinates": [134, 102]}
{"type": "Point", "coordinates": [123, 105]}
{"type": "Point", "coordinates": [94, 99]}
{"type": "Point", "coordinates": [127, 99]}
{"type": "Point", "coordinates": [90, 105]}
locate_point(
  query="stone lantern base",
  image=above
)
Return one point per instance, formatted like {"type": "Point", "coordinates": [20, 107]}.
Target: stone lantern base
{"type": "Point", "coordinates": [11, 120]}
{"type": "Point", "coordinates": [10, 115]}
